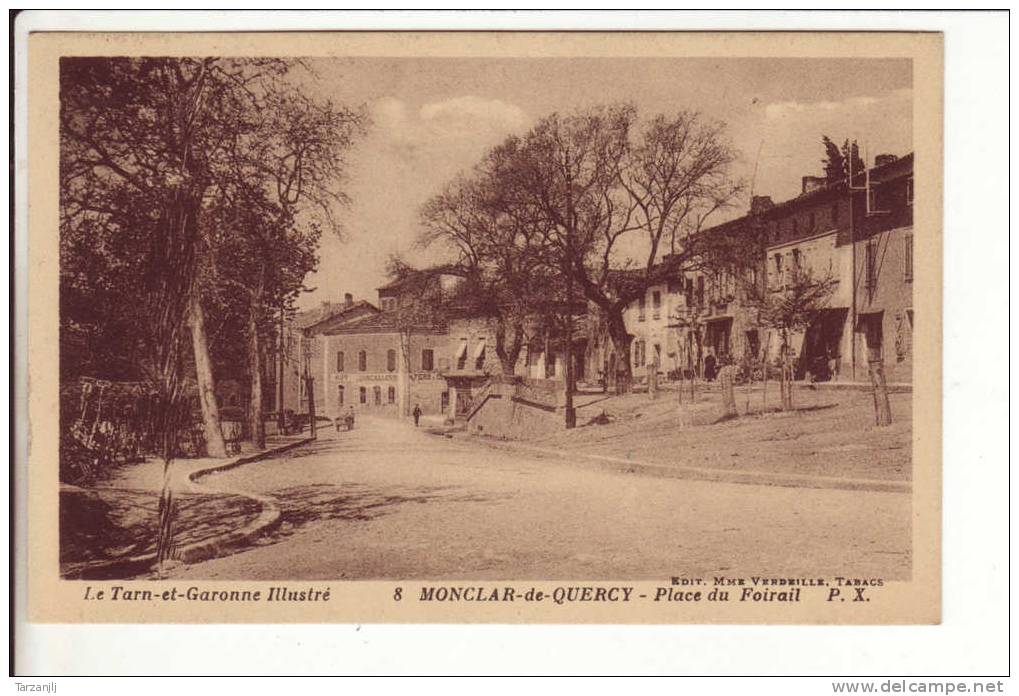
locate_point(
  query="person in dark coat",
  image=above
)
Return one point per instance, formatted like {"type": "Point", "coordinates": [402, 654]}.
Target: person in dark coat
{"type": "Point", "coordinates": [417, 414]}
{"type": "Point", "coordinates": [710, 364]}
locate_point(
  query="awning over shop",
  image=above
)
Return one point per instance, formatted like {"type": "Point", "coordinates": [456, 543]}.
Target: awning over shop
{"type": "Point", "coordinates": [480, 349]}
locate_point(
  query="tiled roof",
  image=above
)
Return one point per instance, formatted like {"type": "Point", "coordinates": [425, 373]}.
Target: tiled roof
{"type": "Point", "coordinates": [329, 310]}
{"type": "Point", "coordinates": [385, 322]}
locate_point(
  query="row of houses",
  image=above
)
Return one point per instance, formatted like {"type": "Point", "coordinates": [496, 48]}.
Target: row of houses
{"type": "Point", "coordinates": [359, 355]}
{"type": "Point", "coordinates": [859, 233]}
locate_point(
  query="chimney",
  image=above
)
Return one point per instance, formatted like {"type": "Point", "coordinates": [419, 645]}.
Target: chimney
{"type": "Point", "coordinates": [813, 183]}
{"type": "Point", "coordinates": [348, 299]}
{"type": "Point", "coordinates": [884, 159]}
{"type": "Point", "coordinates": [758, 204]}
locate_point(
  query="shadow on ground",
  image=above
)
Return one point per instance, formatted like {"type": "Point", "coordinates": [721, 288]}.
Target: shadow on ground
{"type": "Point", "coordinates": [105, 525]}
{"type": "Point", "coordinates": [303, 505]}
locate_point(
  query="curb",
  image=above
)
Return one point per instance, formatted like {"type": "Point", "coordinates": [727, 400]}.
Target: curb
{"type": "Point", "coordinates": [203, 550]}
{"type": "Point", "coordinates": [755, 478]}
{"type": "Point", "coordinates": [266, 521]}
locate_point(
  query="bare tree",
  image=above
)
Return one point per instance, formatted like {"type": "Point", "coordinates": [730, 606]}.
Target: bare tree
{"type": "Point", "coordinates": [284, 181]}
{"type": "Point", "coordinates": [616, 194]}
{"type": "Point", "coordinates": [159, 130]}
{"type": "Point", "coordinates": [501, 252]}
{"type": "Point", "coordinates": [793, 308]}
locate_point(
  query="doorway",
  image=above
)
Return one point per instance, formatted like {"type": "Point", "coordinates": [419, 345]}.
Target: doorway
{"type": "Point", "coordinates": [870, 325]}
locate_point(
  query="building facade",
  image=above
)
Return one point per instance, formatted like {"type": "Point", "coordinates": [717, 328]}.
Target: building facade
{"type": "Point", "coordinates": [299, 353]}
{"type": "Point", "coordinates": [388, 362]}
{"type": "Point", "coordinates": [859, 237]}
{"type": "Point", "coordinates": [374, 367]}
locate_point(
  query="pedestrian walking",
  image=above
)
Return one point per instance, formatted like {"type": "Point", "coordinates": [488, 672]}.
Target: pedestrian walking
{"type": "Point", "coordinates": [350, 418]}
{"type": "Point", "coordinates": [417, 414]}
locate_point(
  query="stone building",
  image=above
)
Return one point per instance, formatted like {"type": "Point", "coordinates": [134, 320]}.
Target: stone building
{"type": "Point", "coordinates": [379, 367]}
{"type": "Point", "coordinates": [860, 236]}
{"type": "Point", "coordinates": [388, 362]}
{"type": "Point", "coordinates": [302, 352]}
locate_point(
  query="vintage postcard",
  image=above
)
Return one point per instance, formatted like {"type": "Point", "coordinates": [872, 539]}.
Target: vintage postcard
{"type": "Point", "coordinates": [484, 327]}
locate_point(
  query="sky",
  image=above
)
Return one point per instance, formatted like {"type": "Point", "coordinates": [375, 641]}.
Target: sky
{"type": "Point", "coordinates": [432, 118]}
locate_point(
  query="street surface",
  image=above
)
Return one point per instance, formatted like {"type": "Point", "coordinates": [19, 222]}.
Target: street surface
{"type": "Point", "coordinates": [386, 501]}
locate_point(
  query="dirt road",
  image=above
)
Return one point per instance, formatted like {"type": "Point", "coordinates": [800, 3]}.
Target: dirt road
{"type": "Point", "coordinates": [388, 501]}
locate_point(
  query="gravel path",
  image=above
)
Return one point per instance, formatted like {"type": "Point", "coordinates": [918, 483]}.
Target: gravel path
{"type": "Point", "coordinates": [388, 501]}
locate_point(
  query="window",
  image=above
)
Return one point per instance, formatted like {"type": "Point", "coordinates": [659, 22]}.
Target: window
{"type": "Point", "coordinates": [870, 265]}
{"type": "Point", "coordinates": [479, 355]}
{"type": "Point", "coordinates": [907, 256]}
{"type": "Point", "coordinates": [364, 395]}
{"type": "Point", "coordinates": [641, 302]}
{"type": "Point", "coordinates": [339, 395]}
{"type": "Point", "coordinates": [752, 277]}
{"type": "Point", "coordinates": [339, 361]}
{"type": "Point", "coordinates": [427, 360]}
{"type": "Point", "coordinates": [779, 278]}
{"type": "Point", "coordinates": [909, 191]}
{"type": "Point", "coordinates": [388, 304]}
{"type": "Point", "coordinates": [689, 292]}
{"type": "Point", "coordinates": [391, 395]}
{"type": "Point", "coordinates": [876, 198]}
{"type": "Point", "coordinates": [656, 304]}
{"type": "Point", "coordinates": [794, 266]}
{"type": "Point", "coordinates": [377, 393]}
{"type": "Point", "coordinates": [362, 361]}
{"type": "Point", "coordinates": [391, 360]}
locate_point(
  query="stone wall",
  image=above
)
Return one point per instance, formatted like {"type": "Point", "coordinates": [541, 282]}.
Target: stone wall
{"type": "Point", "coordinates": [518, 408]}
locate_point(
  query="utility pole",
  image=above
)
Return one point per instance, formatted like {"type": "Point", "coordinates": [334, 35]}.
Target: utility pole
{"type": "Point", "coordinates": [571, 219]}
{"type": "Point", "coordinates": [852, 248]}
{"type": "Point", "coordinates": [850, 189]}
{"type": "Point", "coordinates": [281, 420]}
{"type": "Point", "coordinates": [309, 382]}
{"type": "Point", "coordinates": [571, 412]}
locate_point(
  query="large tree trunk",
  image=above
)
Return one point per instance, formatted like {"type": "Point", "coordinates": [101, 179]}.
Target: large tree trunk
{"type": "Point", "coordinates": [173, 278]}
{"type": "Point", "coordinates": [882, 408]}
{"type": "Point", "coordinates": [726, 380]}
{"type": "Point", "coordinates": [508, 354]}
{"type": "Point", "coordinates": [214, 444]}
{"type": "Point", "coordinates": [786, 377]}
{"type": "Point", "coordinates": [255, 367]}
{"type": "Point", "coordinates": [621, 341]}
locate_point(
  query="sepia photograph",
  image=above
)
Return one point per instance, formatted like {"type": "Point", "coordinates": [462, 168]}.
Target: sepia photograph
{"type": "Point", "coordinates": [345, 319]}
{"type": "Point", "coordinates": [493, 329]}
